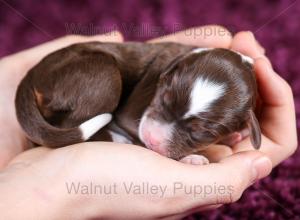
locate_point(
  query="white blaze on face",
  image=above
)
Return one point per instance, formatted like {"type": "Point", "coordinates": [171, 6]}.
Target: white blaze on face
{"type": "Point", "coordinates": [203, 94]}
{"type": "Point", "coordinates": [155, 134]}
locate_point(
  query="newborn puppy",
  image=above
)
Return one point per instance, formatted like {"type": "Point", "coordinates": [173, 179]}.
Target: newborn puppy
{"type": "Point", "coordinates": [202, 98]}
{"type": "Point", "coordinates": [68, 96]}
{"type": "Point", "coordinates": [174, 99]}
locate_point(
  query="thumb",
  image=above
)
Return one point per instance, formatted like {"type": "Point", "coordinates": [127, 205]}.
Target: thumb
{"type": "Point", "coordinates": [246, 43]}
{"type": "Point", "coordinates": [223, 182]}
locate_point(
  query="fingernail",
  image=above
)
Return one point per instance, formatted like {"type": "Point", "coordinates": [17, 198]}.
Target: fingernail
{"type": "Point", "coordinates": [251, 33]}
{"type": "Point", "coordinates": [252, 36]}
{"type": "Point", "coordinates": [270, 68]}
{"type": "Point", "coordinates": [261, 166]}
{"type": "Point", "coordinates": [259, 47]}
{"type": "Point", "coordinates": [262, 50]}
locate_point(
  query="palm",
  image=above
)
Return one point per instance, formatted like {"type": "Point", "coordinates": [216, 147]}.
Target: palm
{"type": "Point", "coordinates": [12, 139]}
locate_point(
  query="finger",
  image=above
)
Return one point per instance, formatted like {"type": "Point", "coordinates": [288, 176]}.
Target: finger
{"type": "Point", "coordinates": [277, 119]}
{"type": "Point", "coordinates": [33, 55]}
{"type": "Point", "coordinates": [276, 152]}
{"type": "Point", "coordinates": [216, 152]}
{"type": "Point", "coordinates": [262, 49]}
{"type": "Point", "coordinates": [246, 43]}
{"type": "Point", "coordinates": [274, 90]}
{"type": "Point", "coordinates": [222, 182]}
{"type": "Point", "coordinates": [205, 36]}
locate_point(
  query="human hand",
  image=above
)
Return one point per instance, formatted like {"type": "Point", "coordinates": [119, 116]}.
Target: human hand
{"type": "Point", "coordinates": [276, 112]}
{"type": "Point", "coordinates": [12, 69]}
{"type": "Point", "coordinates": [39, 182]}
{"type": "Point", "coordinates": [42, 173]}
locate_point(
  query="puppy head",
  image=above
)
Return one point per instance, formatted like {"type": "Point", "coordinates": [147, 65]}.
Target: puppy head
{"type": "Point", "coordinates": [201, 98]}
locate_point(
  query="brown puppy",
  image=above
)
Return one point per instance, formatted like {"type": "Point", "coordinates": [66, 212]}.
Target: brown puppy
{"type": "Point", "coordinates": [185, 97]}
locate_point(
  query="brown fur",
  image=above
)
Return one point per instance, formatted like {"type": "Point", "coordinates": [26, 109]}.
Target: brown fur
{"type": "Point", "coordinates": [76, 83]}
{"type": "Point", "coordinates": [228, 114]}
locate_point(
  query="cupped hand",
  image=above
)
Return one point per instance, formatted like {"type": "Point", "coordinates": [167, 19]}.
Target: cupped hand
{"type": "Point", "coordinates": [276, 113]}
{"type": "Point", "coordinates": [98, 180]}
{"type": "Point", "coordinates": [43, 173]}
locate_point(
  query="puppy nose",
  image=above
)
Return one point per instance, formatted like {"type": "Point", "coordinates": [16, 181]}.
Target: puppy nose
{"type": "Point", "coordinates": [153, 143]}
{"type": "Point", "coordinates": [152, 140]}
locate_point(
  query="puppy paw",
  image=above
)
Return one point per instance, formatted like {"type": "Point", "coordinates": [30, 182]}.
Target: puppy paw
{"type": "Point", "coordinates": [195, 159]}
{"type": "Point", "coordinates": [235, 137]}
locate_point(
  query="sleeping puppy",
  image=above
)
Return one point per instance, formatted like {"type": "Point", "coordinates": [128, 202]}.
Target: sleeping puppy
{"type": "Point", "coordinates": [171, 98]}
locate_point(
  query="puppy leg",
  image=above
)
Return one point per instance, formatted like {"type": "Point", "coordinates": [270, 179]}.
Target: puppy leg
{"type": "Point", "coordinates": [195, 159]}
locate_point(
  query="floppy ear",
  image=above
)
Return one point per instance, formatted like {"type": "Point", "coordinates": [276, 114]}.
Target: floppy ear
{"type": "Point", "coordinates": [254, 129]}
{"type": "Point", "coordinates": [172, 65]}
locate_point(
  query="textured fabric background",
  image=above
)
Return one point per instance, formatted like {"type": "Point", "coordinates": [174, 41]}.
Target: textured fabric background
{"type": "Point", "coordinates": [276, 24]}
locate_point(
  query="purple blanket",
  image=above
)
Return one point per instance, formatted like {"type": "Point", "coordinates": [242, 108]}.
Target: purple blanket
{"type": "Point", "coordinates": [276, 24]}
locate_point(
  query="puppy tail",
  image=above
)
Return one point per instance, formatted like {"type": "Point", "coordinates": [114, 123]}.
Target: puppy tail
{"type": "Point", "coordinates": [40, 131]}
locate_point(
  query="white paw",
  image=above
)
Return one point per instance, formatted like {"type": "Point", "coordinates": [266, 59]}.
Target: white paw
{"type": "Point", "coordinates": [195, 159]}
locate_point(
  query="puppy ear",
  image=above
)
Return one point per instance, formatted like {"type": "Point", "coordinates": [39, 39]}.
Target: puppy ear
{"type": "Point", "coordinates": [172, 65]}
{"type": "Point", "coordinates": [254, 129]}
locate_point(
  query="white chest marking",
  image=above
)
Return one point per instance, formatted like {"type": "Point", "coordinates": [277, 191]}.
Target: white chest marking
{"type": "Point", "coordinates": [118, 138]}
{"type": "Point", "coordinates": [204, 92]}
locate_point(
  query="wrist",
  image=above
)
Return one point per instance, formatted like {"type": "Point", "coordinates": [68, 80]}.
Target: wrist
{"type": "Point", "coordinates": [32, 198]}
{"type": "Point", "coordinates": [80, 203]}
